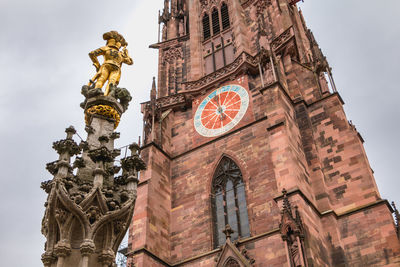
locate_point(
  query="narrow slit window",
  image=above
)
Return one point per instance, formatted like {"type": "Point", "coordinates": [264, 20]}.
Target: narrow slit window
{"type": "Point", "coordinates": [225, 17]}
{"type": "Point", "coordinates": [206, 27]}
{"type": "Point", "coordinates": [215, 21]}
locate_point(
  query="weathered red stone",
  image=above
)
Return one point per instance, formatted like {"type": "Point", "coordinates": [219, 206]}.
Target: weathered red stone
{"type": "Point", "coordinates": [294, 136]}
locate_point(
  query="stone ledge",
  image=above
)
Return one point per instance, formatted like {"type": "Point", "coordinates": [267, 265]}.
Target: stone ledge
{"type": "Point", "coordinates": [297, 191]}
{"type": "Point", "coordinates": [204, 144]}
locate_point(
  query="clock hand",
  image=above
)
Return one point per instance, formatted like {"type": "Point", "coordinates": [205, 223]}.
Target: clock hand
{"type": "Point", "coordinates": [219, 108]}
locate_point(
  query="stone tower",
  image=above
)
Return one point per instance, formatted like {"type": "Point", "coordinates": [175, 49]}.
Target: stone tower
{"type": "Point", "coordinates": [251, 159]}
{"type": "Point", "coordinates": [89, 207]}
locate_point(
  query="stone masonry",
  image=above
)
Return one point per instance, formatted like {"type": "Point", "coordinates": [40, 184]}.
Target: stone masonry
{"type": "Point", "coordinates": [310, 191]}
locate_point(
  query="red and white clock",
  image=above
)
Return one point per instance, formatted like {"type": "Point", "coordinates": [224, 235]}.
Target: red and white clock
{"type": "Point", "coordinates": [221, 110]}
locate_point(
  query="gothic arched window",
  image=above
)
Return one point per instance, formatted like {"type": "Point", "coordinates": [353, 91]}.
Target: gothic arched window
{"type": "Point", "coordinates": [206, 27]}
{"type": "Point", "coordinates": [228, 201]}
{"type": "Point", "coordinates": [215, 21]}
{"type": "Point", "coordinates": [225, 16]}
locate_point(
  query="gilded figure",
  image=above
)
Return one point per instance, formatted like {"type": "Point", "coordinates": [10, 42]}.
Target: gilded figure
{"type": "Point", "coordinates": [110, 70]}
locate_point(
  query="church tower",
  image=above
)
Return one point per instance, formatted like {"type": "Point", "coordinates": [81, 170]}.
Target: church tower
{"type": "Point", "coordinates": [251, 158]}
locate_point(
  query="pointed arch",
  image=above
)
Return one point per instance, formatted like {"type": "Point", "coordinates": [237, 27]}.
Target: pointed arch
{"type": "Point", "coordinates": [215, 22]}
{"type": "Point", "coordinates": [206, 27]}
{"type": "Point", "coordinates": [231, 262]}
{"type": "Point", "coordinates": [225, 16]}
{"type": "Point", "coordinates": [228, 201]}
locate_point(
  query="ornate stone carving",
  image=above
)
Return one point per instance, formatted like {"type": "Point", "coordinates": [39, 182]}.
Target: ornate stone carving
{"type": "Point", "coordinates": [62, 249]}
{"type": "Point", "coordinates": [103, 110]}
{"type": "Point", "coordinates": [97, 207]}
{"type": "Point", "coordinates": [66, 146]}
{"type": "Point", "coordinates": [292, 232]}
{"type": "Point", "coordinates": [247, 256]}
{"type": "Point", "coordinates": [79, 163]}
{"type": "Point", "coordinates": [231, 255]}
{"type": "Point", "coordinates": [172, 54]}
{"type": "Point", "coordinates": [261, 5]}
{"type": "Point", "coordinates": [279, 41]}
{"type": "Point", "coordinates": [87, 212]}
{"type": "Point", "coordinates": [52, 167]}
{"type": "Point", "coordinates": [106, 257]}
{"type": "Point", "coordinates": [227, 170]}
{"type": "Point", "coordinates": [61, 215]}
{"type": "Point", "coordinates": [93, 214]}
{"type": "Point", "coordinates": [87, 247]}
{"type": "Point", "coordinates": [231, 263]}
{"type": "Point", "coordinates": [46, 186]}
{"type": "Point", "coordinates": [228, 231]}
{"type": "Point", "coordinates": [48, 258]}
{"type": "Point", "coordinates": [101, 154]}
{"type": "Point", "coordinates": [397, 219]}
{"type": "Point", "coordinates": [111, 106]}
{"type": "Point", "coordinates": [223, 72]}
{"type": "Point", "coordinates": [208, 4]}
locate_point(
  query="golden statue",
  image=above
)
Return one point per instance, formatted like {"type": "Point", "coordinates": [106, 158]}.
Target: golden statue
{"type": "Point", "coordinates": [113, 59]}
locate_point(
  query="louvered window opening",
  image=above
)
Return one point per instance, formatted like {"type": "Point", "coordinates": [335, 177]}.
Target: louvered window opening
{"type": "Point", "coordinates": [229, 202]}
{"type": "Point", "coordinates": [215, 22]}
{"type": "Point", "coordinates": [225, 17]}
{"type": "Point", "coordinates": [206, 27]}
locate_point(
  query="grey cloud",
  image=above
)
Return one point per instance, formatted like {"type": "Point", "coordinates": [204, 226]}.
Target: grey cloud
{"type": "Point", "coordinates": [43, 63]}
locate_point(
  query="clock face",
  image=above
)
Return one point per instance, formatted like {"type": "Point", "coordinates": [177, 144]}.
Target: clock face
{"type": "Point", "coordinates": [221, 110]}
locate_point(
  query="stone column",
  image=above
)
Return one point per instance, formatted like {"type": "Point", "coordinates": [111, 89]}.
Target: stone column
{"type": "Point", "coordinates": [107, 257]}
{"type": "Point", "coordinates": [62, 250]}
{"type": "Point", "coordinates": [48, 259]}
{"type": "Point", "coordinates": [87, 249]}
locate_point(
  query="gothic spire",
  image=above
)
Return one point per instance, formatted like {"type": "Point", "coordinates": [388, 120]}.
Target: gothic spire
{"type": "Point", "coordinates": [153, 92]}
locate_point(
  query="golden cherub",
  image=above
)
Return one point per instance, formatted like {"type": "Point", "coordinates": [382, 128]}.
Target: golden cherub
{"type": "Point", "coordinates": [113, 58]}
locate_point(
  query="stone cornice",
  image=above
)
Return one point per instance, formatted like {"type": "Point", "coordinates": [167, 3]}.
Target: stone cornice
{"type": "Point", "coordinates": [244, 62]}
{"type": "Point", "coordinates": [239, 242]}
{"type": "Point", "coordinates": [150, 254]}
{"type": "Point", "coordinates": [231, 69]}
{"type": "Point", "coordinates": [349, 212]}
{"type": "Point", "coordinates": [170, 42]}
{"type": "Point", "coordinates": [280, 86]}
{"type": "Point", "coordinates": [204, 144]}
{"type": "Point", "coordinates": [266, 234]}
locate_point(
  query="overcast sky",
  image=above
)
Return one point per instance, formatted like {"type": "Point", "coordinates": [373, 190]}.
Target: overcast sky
{"type": "Point", "coordinates": [43, 64]}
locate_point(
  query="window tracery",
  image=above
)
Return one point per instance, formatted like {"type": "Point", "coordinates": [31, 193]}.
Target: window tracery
{"type": "Point", "coordinates": [229, 202]}
{"type": "Point", "coordinates": [232, 263]}
{"type": "Point", "coordinates": [217, 36]}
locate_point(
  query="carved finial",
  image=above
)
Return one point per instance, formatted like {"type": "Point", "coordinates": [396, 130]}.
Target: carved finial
{"type": "Point", "coordinates": [228, 231]}
{"type": "Point", "coordinates": [153, 93]}
{"type": "Point", "coordinates": [70, 132]}
{"type": "Point", "coordinates": [67, 148]}
{"type": "Point", "coordinates": [83, 145]}
{"type": "Point", "coordinates": [134, 148]}
{"type": "Point", "coordinates": [297, 215]}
